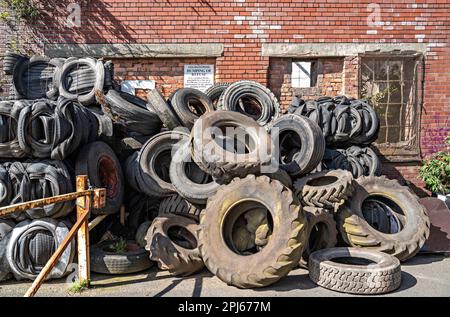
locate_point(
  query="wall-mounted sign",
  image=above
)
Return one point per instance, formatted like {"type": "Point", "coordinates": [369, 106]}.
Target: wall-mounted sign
{"type": "Point", "coordinates": [130, 86]}
{"type": "Point", "coordinates": [200, 77]}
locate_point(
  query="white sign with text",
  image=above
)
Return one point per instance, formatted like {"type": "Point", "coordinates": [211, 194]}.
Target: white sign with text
{"type": "Point", "coordinates": [200, 77]}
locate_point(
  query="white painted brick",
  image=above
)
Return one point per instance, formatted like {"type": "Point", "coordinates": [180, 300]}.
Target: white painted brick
{"type": "Point", "coordinates": [239, 17]}
{"type": "Point", "coordinates": [420, 36]}
{"type": "Point", "coordinates": [275, 27]}
{"type": "Point", "coordinates": [256, 31]}
{"type": "Point", "coordinates": [298, 36]}
{"type": "Point", "coordinates": [372, 32]}
{"type": "Point", "coordinates": [239, 36]}
{"type": "Point", "coordinates": [419, 27]}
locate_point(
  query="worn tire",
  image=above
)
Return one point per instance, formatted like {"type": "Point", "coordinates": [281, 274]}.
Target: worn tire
{"type": "Point", "coordinates": [336, 188]}
{"type": "Point", "coordinates": [217, 161]}
{"type": "Point", "coordinates": [157, 104]}
{"type": "Point", "coordinates": [177, 205]}
{"type": "Point", "coordinates": [357, 232]}
{"type": "Point", "coordinates": [105, 262]}
{"type": "Point", "coordinates": [322, 232]}
{"type": "Point", "coordinates": [262, 105]}
{"type": "Point", "coordinates": [184, 99]}
{"type": "Point", "coordinates": [98, 161]}
{"type": "Point", "coordinates": [215, 91]}
{"type": "Point", "coordinates": [179, 258]}
{"type": "Point", "coordinates": [311, 142]}
{"type": "Point", "coordinates": [141, 232]}
{"type": "Point", "coordinates": [382, 277]}
{"type": "Point", "coordinates": [283, 249]}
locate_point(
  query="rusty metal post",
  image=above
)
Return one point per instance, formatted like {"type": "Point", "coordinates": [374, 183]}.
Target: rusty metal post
{"type": "Point", "coordinates": [83, 206]}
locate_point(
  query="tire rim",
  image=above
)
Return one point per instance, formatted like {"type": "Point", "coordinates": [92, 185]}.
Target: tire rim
{"type": "Point", "coordinates": [107, 172]}
{"type": "Point", "coordinates": [383, 214]}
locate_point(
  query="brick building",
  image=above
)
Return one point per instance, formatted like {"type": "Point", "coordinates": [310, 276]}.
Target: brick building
{"type": "Point", "coordinates": [395, 51]}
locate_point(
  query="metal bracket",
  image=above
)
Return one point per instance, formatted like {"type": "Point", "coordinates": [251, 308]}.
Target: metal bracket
{"type": "Point", "coordinates": [99, 198]}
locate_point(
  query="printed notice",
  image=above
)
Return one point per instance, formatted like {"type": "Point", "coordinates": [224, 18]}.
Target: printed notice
{"type": "Point", "coordinates": [200, 77]}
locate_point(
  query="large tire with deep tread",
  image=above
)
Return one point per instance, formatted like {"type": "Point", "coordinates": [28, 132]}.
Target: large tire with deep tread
{"type": "Point", "coordinates": [212, 158]}
{"type": "Point", "coordinates": [252, 99]}
{"type": "Point", "coordinates": [189, 104]}
{"type": "Point", "coordinates": [283, 249]}
{"type": "Point", "coordinates": [322, 232]}
{"type": "Point", "coordinates": [380, 277]}
{"type": "Point", "coordinates": [178, 205]}
{"type": "Point", "coordinates": [180, 257]}
{"type": "Point", "coordinates": [326, 189]}
{"type": "Point", "coordinates": [414, 223]}
{"type": "Point", "coordinates": [106, 262]}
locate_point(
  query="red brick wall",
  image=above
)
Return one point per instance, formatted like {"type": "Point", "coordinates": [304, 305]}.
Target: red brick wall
{"type": "Point", "coordinates": [243, 25]}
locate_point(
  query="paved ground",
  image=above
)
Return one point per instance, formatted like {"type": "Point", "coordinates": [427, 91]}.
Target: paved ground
{"type": "Point", "coordinates": [424, 275]}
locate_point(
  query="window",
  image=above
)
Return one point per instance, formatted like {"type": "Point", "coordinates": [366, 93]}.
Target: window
{"type": "Point", "coordinates": [304, 74]}
{"type": "Point", "coordinates": [390, 83]}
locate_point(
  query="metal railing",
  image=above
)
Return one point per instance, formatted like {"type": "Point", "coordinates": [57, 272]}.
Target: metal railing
{"type": "Point", "coordinates": [86, 198]}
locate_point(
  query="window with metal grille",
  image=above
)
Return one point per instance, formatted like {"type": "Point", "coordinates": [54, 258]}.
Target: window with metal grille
{"type": "Point", "coordinates": [391, 84]}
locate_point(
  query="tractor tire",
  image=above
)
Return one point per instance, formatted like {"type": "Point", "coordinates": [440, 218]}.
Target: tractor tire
{"type": "Point", "coordinates": [178, 205]}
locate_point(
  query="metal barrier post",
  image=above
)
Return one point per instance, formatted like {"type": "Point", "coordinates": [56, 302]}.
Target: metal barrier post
{"type": "Point", "coordinates": [83, 207]}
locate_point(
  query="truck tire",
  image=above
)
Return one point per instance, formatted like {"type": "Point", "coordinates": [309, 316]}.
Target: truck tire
{"type": "Point", "coordinates": [215, 91]}
{"type": "Point", "coordinates": [284, 246]}
{"type": "Point", "coordinates": [157, 104]}
{"type": "Point", "coordinates": [189, 104]}
{"type": "Point", "coordinates": [214, 159]}
{"type": "Point", "coordinates": [322, 232]}
{"type": "Point", "coordinates": [173, 243]}
{"type": "Point", "coordinates": [177, 205]}
{"type": "Point", "coordinates": [382, 275]}
{"type": "Point", "coordinates": [251, 99]}
{"type": "Point", "coordinates": [326, 189]}
{"type": "Point", "coordinates": [409, 224]}
{"type": "Point", "coordinates": [105, 261]}
{"type": "Point", "coordinates": [301, 143]}
{"type": "Point", "coordinates": [98, 161]}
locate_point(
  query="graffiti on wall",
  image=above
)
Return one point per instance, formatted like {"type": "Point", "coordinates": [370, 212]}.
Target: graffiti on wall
{"type": "Point", "coordinates": [433, 139]}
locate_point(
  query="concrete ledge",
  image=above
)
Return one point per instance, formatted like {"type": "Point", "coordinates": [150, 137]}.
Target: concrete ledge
{"type": "Point", "coordinates": [134, 50]}
{"type": "Point", "coordinates": [337, 49]}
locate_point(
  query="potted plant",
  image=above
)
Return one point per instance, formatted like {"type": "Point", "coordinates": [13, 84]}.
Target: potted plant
{"type": "Point", "coordinates": [435, 171]}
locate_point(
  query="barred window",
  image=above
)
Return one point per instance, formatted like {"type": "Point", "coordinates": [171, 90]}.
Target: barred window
{"type": "Point", "coordinates": [391, 84]}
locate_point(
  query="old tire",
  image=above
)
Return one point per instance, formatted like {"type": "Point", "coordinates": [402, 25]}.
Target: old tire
{"type": "Point", "coordinates": [301, 144]}
{"type": "Point", "coordinates": [283, 249]}
{"type": "Point", "coordinates": [177, 205]}
{"type": "Point", "coordinates": [410, 226]}
{"type": "Point", "coordinates": [380, 277]}
{"type": "Point", "coordinates": [219, 162]}
{"type": "Point", "coordinates": [215, 91]}
{"type": "Point", "coordinates": [251, 99]}
{"type": "Point", "coordinates": [157, 104]}
{"type": "Point", "coordinates": [195, 191]}
{"type": "Point", "coordinates": [105, 261]}
{"type": "Point", "coordinates": [98, 161]}
{"type": "Point", "coordinates": [173, 243]}
{"type": "Point", "coordinates": [325, 189]}
{"type": "Point", "coordinates": [189, 104]}
{"type": "Point", "coordinates": [322, 232]}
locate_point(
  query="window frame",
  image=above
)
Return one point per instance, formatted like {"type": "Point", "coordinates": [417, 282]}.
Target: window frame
{"type": "Point", "coordinates": [395, 152]}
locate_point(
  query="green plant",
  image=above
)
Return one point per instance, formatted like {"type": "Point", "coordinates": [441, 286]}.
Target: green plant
{"type": "Point", "coordinates": [23, 10]}
{"type": "Point", "coordinates": [78, 287]}
{"type": "Point", "coordinates": [120, 246]}
{"type": "Point", "coordinates": [436, 171]}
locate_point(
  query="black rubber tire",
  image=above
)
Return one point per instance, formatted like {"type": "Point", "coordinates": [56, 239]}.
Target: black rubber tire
{"type": "Point", "coordinates": [5, 227]}
{"type": "Point", "coordinates": [35, 78]}
{"type": "Point", "coordinates": [312, 143]}
{"type": "Point", "coordinates": [181, 102]}
{"type": "Point", "coordinates": [131, 112]}
{"type": "Point", "coordinates": [254, 94]}
{"type": "Point", "coordinates": [217, 161]}
{"type": "Point", "coordinates": [195, 192]}
{"type": "Point", "coordinates": [94, 66]}
{"type": "Point", "coordinates": [140, 208]}
{"type": "Point", "coordinates": [380, 277]}
{"type": "Point", "coordinates": [98, 161]}
{"type": "Point", "coordinates": [10, 111]}
{"type": "Point", "coordinates": [283, 249]}
{"type": "Point", "coordinates": [10, 60]}
{"type": "Point", "coordinates": [177, 205]}
{"type": "Point", "coordinates": [336, 189]}
{"type": "Point", "coordinates": [148, 179]}
{"type": "Point", "coordinates": [141, 232]}
{"type": "Point", "coordinates": [157, 104]}
{"type": "Point", "coordinates": [280, 175]}
{"type": "Point", "coordinates": [179, 258]}
{"type": "Point", "coordinates": [105, 262]}
{"type": "Point", "coordinates": [322, 232]}
{"type": "Point", "coordinates": [215, 91]}
{"type": "Point", "coordinates": [22, 256]}
{"type": "Point", "coordinates": [357, 232]}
